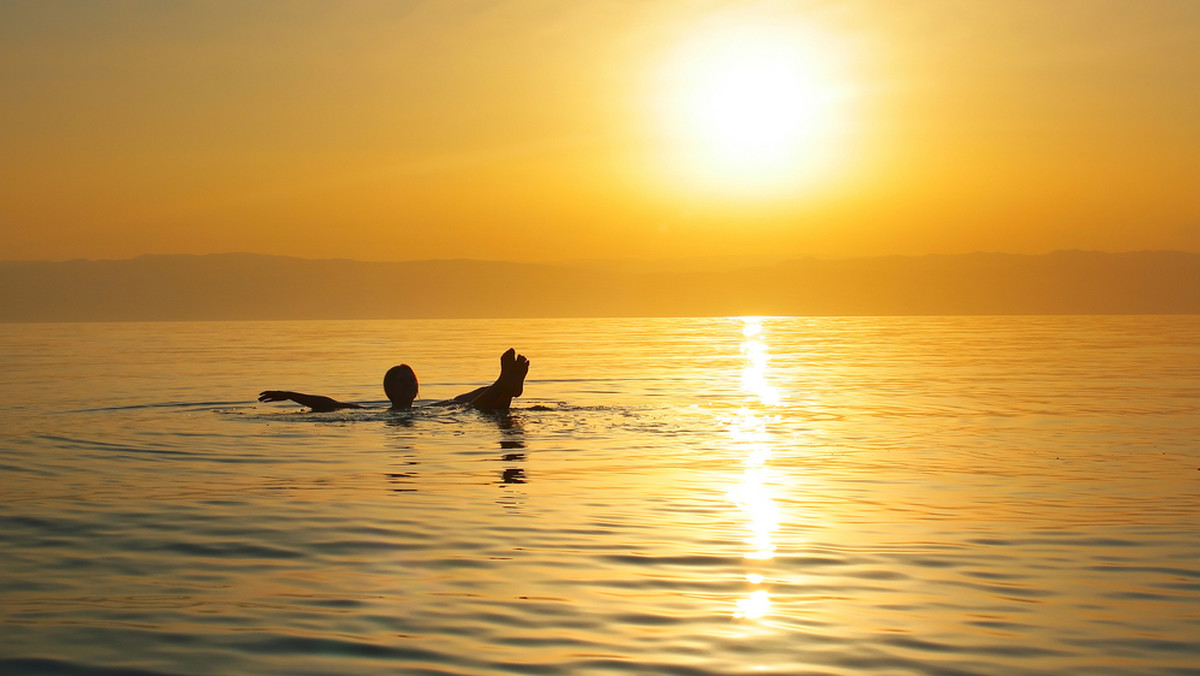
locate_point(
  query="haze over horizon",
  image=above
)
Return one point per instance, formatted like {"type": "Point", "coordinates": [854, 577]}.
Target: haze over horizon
{"type": "Point", "coordinates": [540, 131]}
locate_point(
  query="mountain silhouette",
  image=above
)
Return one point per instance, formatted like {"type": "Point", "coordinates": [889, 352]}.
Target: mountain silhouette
{"type": "Point", "coordinates": [251, 286]}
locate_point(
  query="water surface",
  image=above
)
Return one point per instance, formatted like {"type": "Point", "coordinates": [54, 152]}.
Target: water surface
{"type": "Point", "coordinates": [672, 496]}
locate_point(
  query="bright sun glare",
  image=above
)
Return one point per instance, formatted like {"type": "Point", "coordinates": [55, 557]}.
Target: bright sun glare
{"type": "Point", "coordinates": [749, 108]}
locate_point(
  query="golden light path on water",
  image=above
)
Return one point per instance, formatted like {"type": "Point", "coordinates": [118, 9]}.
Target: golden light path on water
{"type": "Point", "coordinates": [753, 494]}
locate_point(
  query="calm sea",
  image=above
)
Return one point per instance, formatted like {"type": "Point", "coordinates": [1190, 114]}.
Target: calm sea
{"type": "Point", "coordinates": [1008, 495]}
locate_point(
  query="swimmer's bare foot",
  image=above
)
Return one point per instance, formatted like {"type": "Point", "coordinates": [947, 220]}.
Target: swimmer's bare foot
{"type": "Point", "coordinates": [513, 369]}
{"type": "Point", "coordinates": [498, 396]}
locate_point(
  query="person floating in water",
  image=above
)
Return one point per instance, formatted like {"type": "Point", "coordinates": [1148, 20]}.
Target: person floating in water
{"type": "Point", "coordinates": [400, 384]}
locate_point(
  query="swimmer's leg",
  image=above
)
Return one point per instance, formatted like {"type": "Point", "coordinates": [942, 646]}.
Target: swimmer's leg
{"type": "Point", "coordinates": [498, 396]}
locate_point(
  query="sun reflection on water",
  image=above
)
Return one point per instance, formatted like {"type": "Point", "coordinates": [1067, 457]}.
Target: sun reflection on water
{"type": "Point", "coordinates": [753, 493]}
{"type": "Point", "coordinates": [753, 606]}
{"type": "Point", "coordinates": [754, 373]}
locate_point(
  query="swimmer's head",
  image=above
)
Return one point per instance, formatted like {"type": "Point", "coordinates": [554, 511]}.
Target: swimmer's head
{"type": "Point", "coordinates": [400, 385]}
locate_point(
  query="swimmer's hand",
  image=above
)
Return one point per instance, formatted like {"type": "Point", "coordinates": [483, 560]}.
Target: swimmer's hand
{"type": "Point", "coordinates": [316, 402]}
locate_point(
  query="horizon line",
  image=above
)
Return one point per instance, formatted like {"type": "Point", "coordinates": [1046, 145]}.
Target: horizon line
{"type": "Point", "coordinates": [729, 257]}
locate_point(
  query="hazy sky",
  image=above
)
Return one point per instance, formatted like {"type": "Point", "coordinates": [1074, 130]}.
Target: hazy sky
{"type": "Point", "coordinates": [547, 129]}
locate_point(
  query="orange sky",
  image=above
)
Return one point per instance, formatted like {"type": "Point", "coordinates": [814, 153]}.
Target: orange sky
{"type": "Point", "coordinates": [549, 130]}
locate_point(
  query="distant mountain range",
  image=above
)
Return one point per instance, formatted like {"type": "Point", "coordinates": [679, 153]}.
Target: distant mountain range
{"type": "Point", "coordinates": [251, 286]}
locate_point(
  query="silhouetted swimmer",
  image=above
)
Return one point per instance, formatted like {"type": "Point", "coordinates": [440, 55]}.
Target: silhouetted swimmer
{"type": "Point", "coordinates": [401, 386]}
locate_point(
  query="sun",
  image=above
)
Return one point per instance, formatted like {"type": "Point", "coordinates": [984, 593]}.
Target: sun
{"type": "Point", "coordinates": [751, 108]}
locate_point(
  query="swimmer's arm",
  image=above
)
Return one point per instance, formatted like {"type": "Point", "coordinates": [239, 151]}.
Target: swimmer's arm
{"type": "Point", "coordinates": [316, 402]}
{"type": "Point", "coordinates": [467, 398]}
{"type": "Point", "coordinates": [470, 397]}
